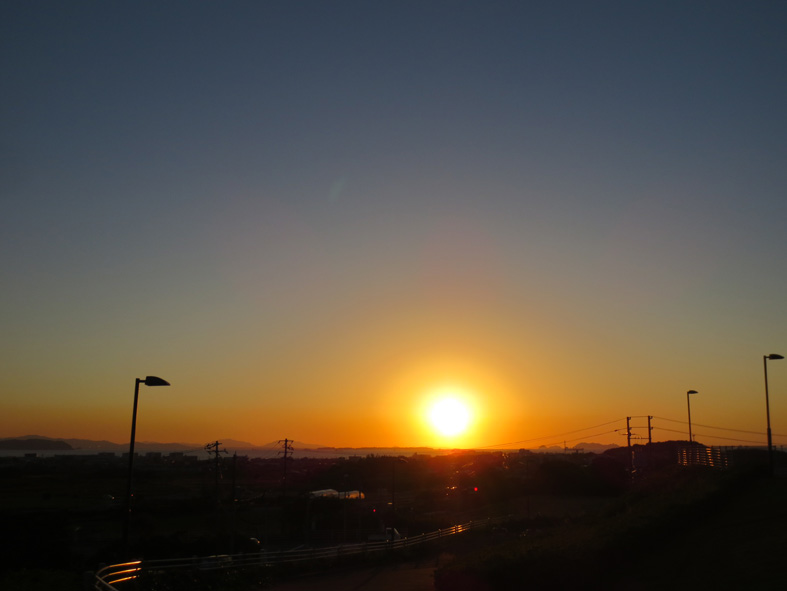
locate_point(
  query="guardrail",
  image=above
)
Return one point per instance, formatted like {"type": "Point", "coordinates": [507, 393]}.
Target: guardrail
{"type": "Point", "coordinates": [109, 577]}
{"type": "Point", "coordinates": [696, 455]}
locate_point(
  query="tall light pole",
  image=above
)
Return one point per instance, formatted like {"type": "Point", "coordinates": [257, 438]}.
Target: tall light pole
{"type": "Point", "coordinates": [688, 402]}
{"type": "Point", "coordinates": [148, 381]}
{"type": "Point", "coordinates": [774, 357]}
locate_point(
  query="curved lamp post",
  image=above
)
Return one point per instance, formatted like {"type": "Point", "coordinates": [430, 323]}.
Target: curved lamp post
{"type": "Point", "coordinates": [688, 403]}
{"type": "Point", "coordinates": [148, 381]}
{"type": "Point", "coordinates": [765, 358]}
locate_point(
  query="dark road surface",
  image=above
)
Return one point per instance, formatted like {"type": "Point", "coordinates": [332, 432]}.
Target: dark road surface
{"type": "Point", "coordinates": [409, 576]}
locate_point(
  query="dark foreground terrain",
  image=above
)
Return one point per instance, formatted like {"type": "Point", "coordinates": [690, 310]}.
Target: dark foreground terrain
{"type": "Point", "coordinates": [687, 530]}
{"type": "Point", "coordinates": [572, 522]}
{"type": "Point", "coordinates": [690, 530]}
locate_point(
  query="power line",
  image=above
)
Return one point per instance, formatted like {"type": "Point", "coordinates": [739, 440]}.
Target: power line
{"type": "Point", "coordinates": [727, 429]}
{"type": "Point", "coordinates": [188, 451]}
{"type": "Point", "coordinates": [594, 435]}
{"type": "Point", "coordinates": [719, 428]}
{"type": "Point", "coordinates": [710, 436]}
{"type": "Point", "coordinates": [727, 438]}
{"type": "Point", "coordinates": [579, 438]}
{"type": "Point", "coordinates": [553, 436]}
{"type": "Point", "coordinates": [710, 426]}
{"type": "Point", "coordinates": [558, 436]}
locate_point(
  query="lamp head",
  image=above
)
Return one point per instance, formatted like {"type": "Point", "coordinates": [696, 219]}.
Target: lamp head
{"type": "Point", "coordinates": [155, 381]}
{"type": "Point", "coordinates": [774, 356]}
{"type": "Point", "coordinates": [692, 392]}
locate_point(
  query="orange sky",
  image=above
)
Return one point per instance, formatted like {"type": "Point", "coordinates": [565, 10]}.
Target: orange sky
{"type": "Point", "coordinates": [538, 401]}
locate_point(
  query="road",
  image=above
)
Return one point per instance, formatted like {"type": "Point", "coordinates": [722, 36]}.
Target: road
{"type": "Point", "coordinates": [413, 576]}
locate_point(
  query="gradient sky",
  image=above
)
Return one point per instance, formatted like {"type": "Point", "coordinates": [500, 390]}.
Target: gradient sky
{"type": "Point", "coordinates": [309, 216]}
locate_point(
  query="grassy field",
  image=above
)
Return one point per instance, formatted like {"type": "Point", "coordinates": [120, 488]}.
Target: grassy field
{"type": "Point", "coordinates": [685, 529]}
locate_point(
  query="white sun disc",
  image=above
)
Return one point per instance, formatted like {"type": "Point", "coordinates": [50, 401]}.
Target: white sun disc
{"type": "Point", "coordinates": [449, 416]}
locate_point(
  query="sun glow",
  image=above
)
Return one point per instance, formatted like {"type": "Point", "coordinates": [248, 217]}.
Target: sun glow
{"type": "Point", "coordinates": [449, 415]}
{"type": "Point", "coordinates": [480, 400]}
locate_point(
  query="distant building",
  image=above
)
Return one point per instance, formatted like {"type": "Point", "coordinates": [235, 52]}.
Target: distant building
{"type": "Point", "coordinates": [329, 493]}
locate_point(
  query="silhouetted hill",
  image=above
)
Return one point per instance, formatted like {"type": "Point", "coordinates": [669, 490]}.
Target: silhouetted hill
{"type": "Point", "coordinates": [300, 448]}
{"type": "Point", "coordinates": [595, 447]}
{"type": "Point", "coordinates": [587, 447]}
{"type": "Point", "coordinates": [24, 443]}
{"type": "Point", "coordinates": [34, 444]}
{"type": "Point", "coordinates": [226, 442]}
{"type": "Point", "coordinates": [298, 445]}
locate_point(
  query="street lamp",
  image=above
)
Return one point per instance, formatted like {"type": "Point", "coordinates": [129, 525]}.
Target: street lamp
{"type": "Point", "coordinates": [774, 357]}
{"type": "Point", "coordinates": [688, 402]}
{"type": "Point", "coordinates": [148, 381]}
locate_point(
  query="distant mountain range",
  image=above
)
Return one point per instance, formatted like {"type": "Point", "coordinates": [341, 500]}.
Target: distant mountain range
{"type": "Point", "coordinates": [33, 443]}
{"type": "Point", "coordinates": [43, 443]}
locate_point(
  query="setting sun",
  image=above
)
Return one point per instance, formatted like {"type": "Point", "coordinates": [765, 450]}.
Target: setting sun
{"type": "Point", "coordinates": [449, 416]}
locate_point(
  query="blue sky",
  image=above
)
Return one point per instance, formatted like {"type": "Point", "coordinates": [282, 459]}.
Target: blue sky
{"type": "Point", "coordinates": [307, 210]}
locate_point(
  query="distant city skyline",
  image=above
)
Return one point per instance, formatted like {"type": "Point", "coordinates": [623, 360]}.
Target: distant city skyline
{"type": "Point", "coordinates": [269, 450]}
{"type": "Point", "coordinates": [314, 219]}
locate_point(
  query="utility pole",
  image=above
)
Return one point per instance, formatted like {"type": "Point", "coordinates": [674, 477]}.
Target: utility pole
{"type": "Point", "coordinates": [628, 432]}
{"type": "Point", "coordinates": [650, 430]}
{"type": "Point", "coordinates": [234, 501]}
{"type": "Point", "coordinates": [287, 450]}
{"type": "Point", "coordinates": [628, 444]}
{"type": "Point", "coordinates": [234, 476]}
{"type": "Point", "coordinates": [214, 449]}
